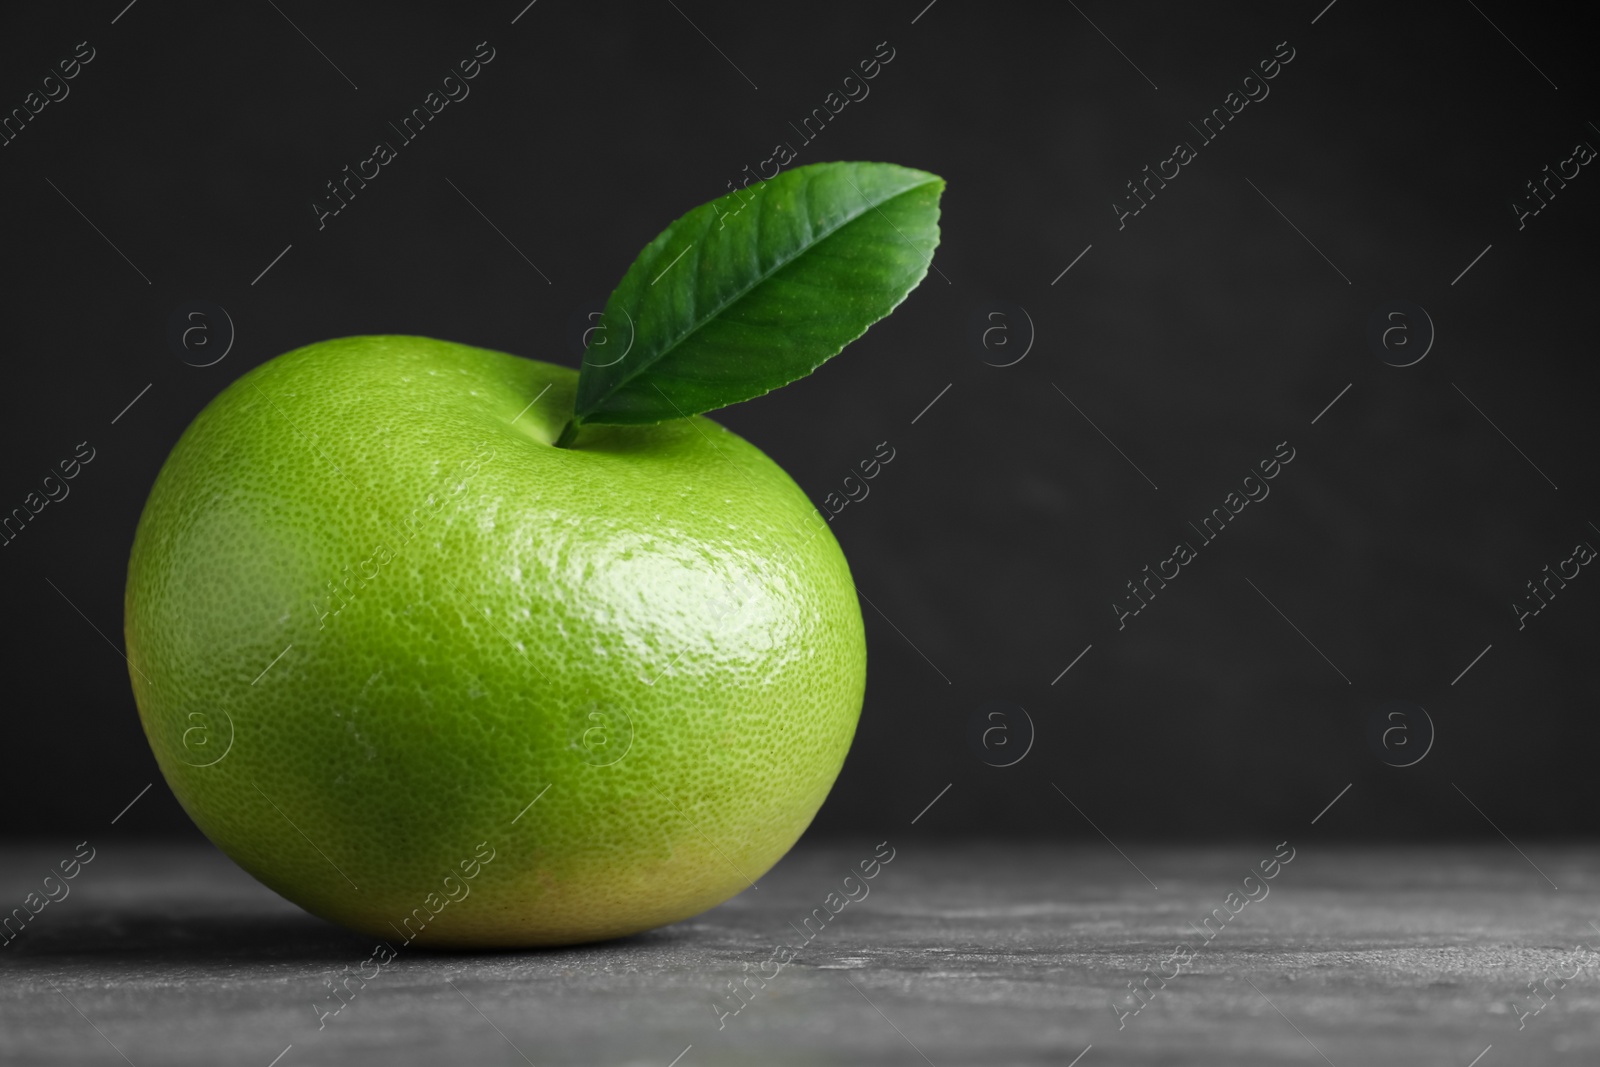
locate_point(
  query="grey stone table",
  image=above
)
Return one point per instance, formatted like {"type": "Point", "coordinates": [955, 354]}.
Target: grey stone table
{"type": "Point", "coordinates": [955, 955]}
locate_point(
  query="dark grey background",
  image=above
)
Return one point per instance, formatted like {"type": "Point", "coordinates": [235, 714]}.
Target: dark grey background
{"type": "Point", "coordinates": [1196, 338]}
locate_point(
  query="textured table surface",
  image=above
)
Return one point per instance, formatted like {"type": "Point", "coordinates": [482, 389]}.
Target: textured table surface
{"type": "Point", "coordinates": [957, 955]}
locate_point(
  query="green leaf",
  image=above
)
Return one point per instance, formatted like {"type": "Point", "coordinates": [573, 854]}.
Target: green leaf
{"type": "Point", "coordinates": [758, 288]}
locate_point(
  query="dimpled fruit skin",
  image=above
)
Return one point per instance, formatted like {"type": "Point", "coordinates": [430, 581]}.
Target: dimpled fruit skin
{"type": "Point", "coordinates": [510, 619]}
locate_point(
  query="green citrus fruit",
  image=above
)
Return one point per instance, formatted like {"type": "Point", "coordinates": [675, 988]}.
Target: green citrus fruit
{"type": "Point", "coordinates": [373, 615]}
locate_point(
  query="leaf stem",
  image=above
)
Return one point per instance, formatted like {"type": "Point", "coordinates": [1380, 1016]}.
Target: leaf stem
{"type": "Point", "coordinates": [569, 433]}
